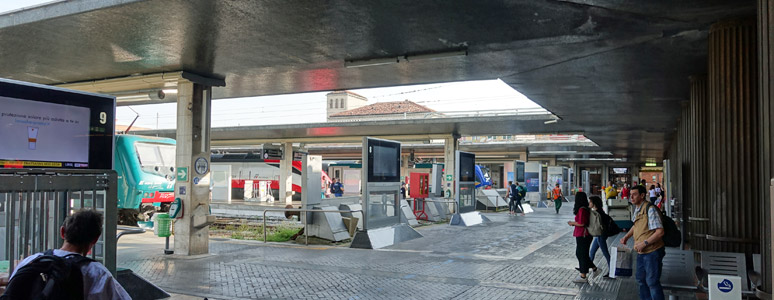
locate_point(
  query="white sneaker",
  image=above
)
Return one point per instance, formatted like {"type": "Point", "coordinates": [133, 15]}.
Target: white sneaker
{"type": "Point", "coordinates": [579, 279]}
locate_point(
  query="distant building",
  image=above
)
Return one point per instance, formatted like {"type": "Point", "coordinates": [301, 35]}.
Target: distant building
{"type": "Point", "coordinates": [384, 111]}
{"type": "Point", "coordinates": [122, 128]}
{"type": "Point", "coordinates": [340, 101]}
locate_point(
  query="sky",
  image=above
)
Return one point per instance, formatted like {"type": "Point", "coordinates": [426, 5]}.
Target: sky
{"type": "Point", "coordinates": [9, 5]}
{"type": "Point", "coordinates": [467, 96]}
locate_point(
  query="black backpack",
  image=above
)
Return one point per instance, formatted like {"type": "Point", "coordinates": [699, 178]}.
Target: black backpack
{"type": "Point", "coordinates": [611, 228]}
{"type": "Point", "coordinates": [48, 277]}
{"type": "Point", "coordinates": [521, 192]}
{"type": "Point", "coordinates": [672, 237]}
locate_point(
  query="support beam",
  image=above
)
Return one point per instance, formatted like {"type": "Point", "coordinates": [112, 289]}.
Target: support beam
{"type": "Point", "coordinates": [735, 221]}
{"type": "Point", "coordinates": [193, 145]}
{"type": "Point", "coordinates": [286, 174]}
{"type": "Point", "coordinates": [451, 145]}
{"type": "Point", "coordinates": [765, 113]}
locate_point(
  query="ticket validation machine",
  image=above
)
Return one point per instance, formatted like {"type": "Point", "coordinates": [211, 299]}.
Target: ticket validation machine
{"type": "Point", "coordinates": [381, 197]}
{"type": "Point", "coordinates": [465, 173]}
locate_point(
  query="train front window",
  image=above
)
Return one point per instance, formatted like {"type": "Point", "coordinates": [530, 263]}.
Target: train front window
{"type": "Point", "coordinates": [158, 158]}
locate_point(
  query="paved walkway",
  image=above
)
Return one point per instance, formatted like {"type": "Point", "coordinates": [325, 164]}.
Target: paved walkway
{"type": "Point", "coordinates": [514, 257]}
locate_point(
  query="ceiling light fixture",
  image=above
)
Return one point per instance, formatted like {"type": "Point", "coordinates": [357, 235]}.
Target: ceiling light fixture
{"type": "Point", "coordinates": [436, 55]}
{"type": "Point", "coordinates": [371, 62]}
{"type": "Point", "coordinates": [357, 63]}
{"type": "Point", "coordinates": [145, 96]}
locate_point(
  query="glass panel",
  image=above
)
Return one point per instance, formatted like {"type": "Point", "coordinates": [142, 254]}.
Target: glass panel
{"type": "Point", "coordinates": [467, 198]}
{"type": "Point", "coordinates": [382, 209]}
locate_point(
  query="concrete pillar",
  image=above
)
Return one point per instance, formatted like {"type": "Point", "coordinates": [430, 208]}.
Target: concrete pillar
{"type": "Point", "coordinates": [766, 148]}
{"type": "Point", "coordinates": [404, 167]}
{"type": "Point", "coordinates": [735, 219]}
{"type": "Point", "coordinates": [451, 145]}
{"type": "Point", "coordinates": [286, 174]}
{"type": "Point", "coordinates": [192, 160]}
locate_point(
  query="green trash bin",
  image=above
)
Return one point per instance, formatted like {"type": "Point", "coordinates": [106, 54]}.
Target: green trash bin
{"type": "Point", "coordinates": [163, 225]}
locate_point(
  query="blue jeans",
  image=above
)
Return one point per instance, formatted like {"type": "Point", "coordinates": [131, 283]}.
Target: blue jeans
{"type": "Point", "coordinates": [600, 242]}
{"type": "Point", "coordinates": [649, 274]}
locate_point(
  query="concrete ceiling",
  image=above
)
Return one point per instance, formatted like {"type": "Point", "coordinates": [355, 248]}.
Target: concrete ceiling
{"type": "Point", "coordinates": [615, 70]}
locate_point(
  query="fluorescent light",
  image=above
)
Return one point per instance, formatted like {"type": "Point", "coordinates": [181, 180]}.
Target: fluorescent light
{"type": "Point", "coordinates": [436, 55]}
{"type": "Point", "coordinates": [650, 164]}
{"type": "Point", "coordinates": [145, 96]}
{"type": "Point", "coordinates": [551, 121]}
{"type": "Point", "coordinates": [371, 62]}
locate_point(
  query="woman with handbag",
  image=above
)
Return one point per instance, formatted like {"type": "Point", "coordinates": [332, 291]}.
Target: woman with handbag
{"type": "Point", "coordinates": [582, 237]}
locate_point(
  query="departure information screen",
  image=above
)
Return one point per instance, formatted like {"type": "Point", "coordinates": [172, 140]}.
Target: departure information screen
{"type": "Point", "coordinates": [44, 127]}
{"type": "Point", "coordinates": [35, 131]}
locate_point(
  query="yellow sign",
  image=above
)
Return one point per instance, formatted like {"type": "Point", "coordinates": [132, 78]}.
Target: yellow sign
{"type": "Point", "coordinates": [20, 164]}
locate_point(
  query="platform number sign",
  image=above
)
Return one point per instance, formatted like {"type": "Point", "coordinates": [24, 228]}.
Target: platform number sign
{"type": "Point", "coordinates": [201, 166]}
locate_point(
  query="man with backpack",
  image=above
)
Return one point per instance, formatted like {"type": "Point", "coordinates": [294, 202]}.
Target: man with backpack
{"type": "Point", "coordinates": [66, 273]}
{"type": "Point", "coordinates": [647, 231]}
{"type": "Point", "coordinates": [516, 193]}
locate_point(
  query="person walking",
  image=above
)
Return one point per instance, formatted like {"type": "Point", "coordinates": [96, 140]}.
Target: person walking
{"type": "Point", "coordinates": [600, 242]}
{"type": "Point", "coordinates": [509, 193]}
{"type": "Point", "coordinates": [653, 194]}
{"type": "Point", "coordinates": [610, 191]}
{"type": "Point", "coordinates": [337, 189]}
{"type": "Point", "coordinates": [647, 232]}
{"type": "Point", "coordinates": [557, 192]}
{"type": "Point", "coordinates": [516, 193]}
{"type": "Point", "coordinates": [625, 191]}
{"type": "Point", "coordinates": [582, 237]}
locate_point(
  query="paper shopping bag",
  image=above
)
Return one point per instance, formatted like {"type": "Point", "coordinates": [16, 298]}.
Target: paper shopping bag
{"type": "Point", "coordinates": [621, 262]}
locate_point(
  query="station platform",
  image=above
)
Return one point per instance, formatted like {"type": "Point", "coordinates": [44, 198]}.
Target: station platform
{"type": "Point", "coordinates": [249, 209]}
{"type": "Point", "coordinates": [514, 257]}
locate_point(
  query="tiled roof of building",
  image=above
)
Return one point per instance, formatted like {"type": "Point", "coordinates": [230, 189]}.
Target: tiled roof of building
{"type": "Point", "coordinates": [385, 108]}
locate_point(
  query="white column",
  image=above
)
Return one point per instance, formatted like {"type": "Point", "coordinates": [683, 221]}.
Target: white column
{"type": "Point", "coordinates": [451, 145]}
{"type": "Point", "coordinates": [193, 144]}
{"type": "Point", "coordinates": [286, 174]}
{"type": "Point", "coordinates": [404, 167]}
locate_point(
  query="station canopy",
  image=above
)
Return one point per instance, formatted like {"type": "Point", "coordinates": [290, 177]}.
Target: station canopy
{"type": "Point", "coordinates": [615, 71]}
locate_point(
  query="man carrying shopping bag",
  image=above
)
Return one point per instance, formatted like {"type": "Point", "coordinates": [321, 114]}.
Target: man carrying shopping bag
{"type": "Point", "coordinates": [647, 232]}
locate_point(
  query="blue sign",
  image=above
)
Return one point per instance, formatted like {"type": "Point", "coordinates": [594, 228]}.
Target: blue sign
{"type": "Point", "coordinates": [725, 286]}
{"type": "Point", "coordinates": [196, 180]}
{"type": "Point", "coordinates": [532, 180]}
{"type": "Point", "coordinates": [182, 190]}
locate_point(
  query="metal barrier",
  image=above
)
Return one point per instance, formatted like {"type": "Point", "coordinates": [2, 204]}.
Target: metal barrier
{"type": "Point", "coordinates": [35, 202]}
{"type": "Point", "coordinates": [306, 235]}
{"type": "Point", "coordinates": [445, 201]}
{"type": "Point", "coordinates": [124, 230]}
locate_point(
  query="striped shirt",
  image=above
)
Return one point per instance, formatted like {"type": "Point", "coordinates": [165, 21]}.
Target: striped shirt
{"type": "Point", "coordinates": [654, 218]}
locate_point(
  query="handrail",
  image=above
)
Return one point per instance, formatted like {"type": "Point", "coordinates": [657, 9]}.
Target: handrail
{"type": "Point", "coordinates": [306, 232]}
{"type": "Point", "coordinates": [442, 201]}
{"type": "Point", "coordinates": [128, 230]}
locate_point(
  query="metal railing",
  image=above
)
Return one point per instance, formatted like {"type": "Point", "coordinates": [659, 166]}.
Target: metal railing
{"type": "Point", "coordinates": [444, 201]}
{"type": "Point", "coordinates": [35, 202]}
{"type": "Point", "coordinates": [306, 232]}
{"type": "Point", "coordinates": [124, 230]}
